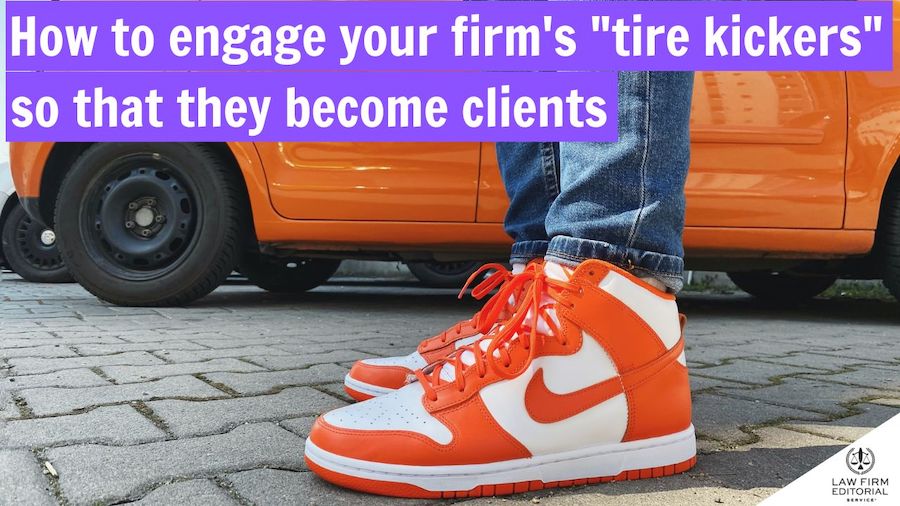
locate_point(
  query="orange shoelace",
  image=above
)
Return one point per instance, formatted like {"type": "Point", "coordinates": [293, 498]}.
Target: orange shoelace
{"type": "Point", "coordinates": [531, 309]}
{"type": "Point", "coordinates": [485, 319]}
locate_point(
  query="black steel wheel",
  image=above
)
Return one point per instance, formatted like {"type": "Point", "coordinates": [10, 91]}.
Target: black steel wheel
{"type": "Point", "coordinates": [287, 275]}
{"type": "Point", "coordinates": [151, 224]}
{"type": "Point", "coordinates": [443, 274]}
{"type": "Point", "coordinates": [30, 249]}
{"type": "Point", "coordinates": [782, 287]}
{"type": "Point", "coordinates": [887, 238]}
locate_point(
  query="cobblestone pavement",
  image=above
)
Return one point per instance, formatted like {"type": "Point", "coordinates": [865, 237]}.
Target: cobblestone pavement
{"type": "Point", "coordinates": [210, 404]}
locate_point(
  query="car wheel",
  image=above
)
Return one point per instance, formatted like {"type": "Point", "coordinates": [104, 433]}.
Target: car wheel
{"type": "Point", "coordinates": [149, 224]}
{"type": "Point", "coordinates": [782, 287]}
{"type": "Point", "coordinates": [443, 274]}
{"type": "Point", "coordinates": [888, 243]}
{"type": "Point", "coordinates": [287, 275]}
{"type": "Point", "coordinates": [30, 249]}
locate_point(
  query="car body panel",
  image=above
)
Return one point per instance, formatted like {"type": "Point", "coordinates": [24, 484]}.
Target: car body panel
{"type": "Point", "coordinates": [359, 181]}
{"type": "Point", "coordinates": [768, 150]}
{"type": "Point", "coordinates": [28, 160]}
{"type": "Point", "coordinates": [7, 190]}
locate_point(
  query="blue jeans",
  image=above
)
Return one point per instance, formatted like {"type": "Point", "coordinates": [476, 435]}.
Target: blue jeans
{"type": "Point", "coordinates": [621, 202]}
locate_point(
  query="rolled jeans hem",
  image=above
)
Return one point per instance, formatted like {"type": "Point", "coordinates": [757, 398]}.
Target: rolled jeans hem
{"type": "Point", "coordinates": [526, 251]}
{"type": "Point", "coordinates": [668, 269]}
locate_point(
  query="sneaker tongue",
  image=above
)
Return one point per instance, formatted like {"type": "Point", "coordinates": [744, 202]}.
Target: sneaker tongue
{"type": "Point", "coordinates": [557, 271]}
{"type": "Point", "coordinates": [448, 372]}
{"type": "Point", "coordinates": [554, 271]}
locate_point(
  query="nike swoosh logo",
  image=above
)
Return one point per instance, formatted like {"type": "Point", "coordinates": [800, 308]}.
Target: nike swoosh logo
{"type": "Point", "coordinates": [544, 406]}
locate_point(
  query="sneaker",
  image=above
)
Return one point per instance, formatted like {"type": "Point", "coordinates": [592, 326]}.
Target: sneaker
{"type": "Point", "coordinates": [378, 376]}
{"type": "Point", "coordinates": [585, 383]}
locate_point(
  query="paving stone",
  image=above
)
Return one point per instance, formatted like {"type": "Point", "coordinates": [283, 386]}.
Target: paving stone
{"type": "Point", "coordinates": [106, 349]}
{"type": "Point", "coordinates": [71, 378]}
{"type": "Point", "coordinates": [229, 342]}
{"type": "Point", "coordinates": [22, 481]}
{"type": "Point", "coordinates": [90, 474]}
{"type": "Point", "coordinates": [303, 348]}
{"type": "Point", "coordinates": [50, 401]}
{"type": "Point", "coordinates": [885, 351]}
{"type": "Point", "coordinates": [111, 425]}
{"type": "Point", "coordinates": [192, 418]}
{"type": "Point", "coordinates": [716, 354]}
{"type": "Point", "coordinates": [748, 371]}
{"type": "Point", "coordinates": [702, 383]}
{"type": "Point", "coordinates": [306, 360]}
{"type": "Point", "coordinates": [300, 426]}
{"type": "Point", "coordinates": [193, 492]}
{"type": "Point", "coordinates": [805, 393]}
{"type": "Point", "coordinates": [816, 361]}
{"type": "Point", "coordinates": [851, 428]}
{"type": "Point", "coordinates": [196, 356]}
{"type": "Point", "coordinates": [337, 389]}
{"type": "Point", "coordinates": [265, 487]}
{"type": "Point", "coordinates": [44, 365]}
{"type": "Point", "coordinates": [134, 373]}
{"type": "Point", "coordinates": [721, 417]}
{"type": "Point", "coordinates": [689, 489]}
{"type": "Point", "coordinates": [780, 457]}
{"type": "Point", "coordinates": [47, 350]}
{"type": "Point", "coordinates": [262, 382]}
{"type": "Point", "coordinates": [886, 401]}
{"type": "Point", "coordinates": [873, 377]}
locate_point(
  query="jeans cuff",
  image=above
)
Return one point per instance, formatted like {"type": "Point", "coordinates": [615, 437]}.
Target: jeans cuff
{"type": "Point", "coordinates": [526, 251]}
{"type": "Point", "coordinates": [668, 269]}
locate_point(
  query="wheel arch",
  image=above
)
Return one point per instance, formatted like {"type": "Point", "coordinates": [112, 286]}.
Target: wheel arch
{"type": "Point", "coordinates": [240, 156]}
{"type": "Point", "coordinates": [8, 206]}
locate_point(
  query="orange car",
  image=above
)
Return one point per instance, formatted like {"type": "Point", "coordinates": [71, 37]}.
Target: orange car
{"type": "Point", "coordinates": [793, 184]}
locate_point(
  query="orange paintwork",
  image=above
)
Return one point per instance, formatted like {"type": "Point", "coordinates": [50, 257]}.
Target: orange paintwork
{"type": "Point", "coordinates": [785, 164]}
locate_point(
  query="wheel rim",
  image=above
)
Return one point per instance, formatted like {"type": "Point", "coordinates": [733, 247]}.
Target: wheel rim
{"type": "Point", "coordinates": [37, 245]}
{"type": "Point", "coordinates": [142, 218]}
{"type": "Point", "coordinates": [452, 268]}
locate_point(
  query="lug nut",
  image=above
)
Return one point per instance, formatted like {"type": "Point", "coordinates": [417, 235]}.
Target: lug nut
{"type": "Point", "coordinates": [151, 202]}
{"type": "Point", "coordinates": [160, 218]}
{"type": "Point", "coordinates": [145, 233]}
{"type": "Point", "coordinates": [132, 206]}
{"type": "Point", "coordinates": [129, 225]}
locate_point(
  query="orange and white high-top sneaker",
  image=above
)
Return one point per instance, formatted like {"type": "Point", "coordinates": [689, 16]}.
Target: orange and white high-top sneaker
{"type": "Point", "coordinates": [585, 383]}
{"type": "Point", "coordinates": [377, 376]}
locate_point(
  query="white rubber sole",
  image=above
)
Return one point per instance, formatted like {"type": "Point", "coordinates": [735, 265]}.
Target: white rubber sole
{"type": "Point", "coordinates": [602, 460]}
{"type": "Point", "coordinates": [365, 388]}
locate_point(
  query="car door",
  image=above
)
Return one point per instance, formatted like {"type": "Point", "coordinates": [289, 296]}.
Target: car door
{"type": "Point", "coordinates": [768, 151]}
{"type": "Point", "coordinates": [358, 181]}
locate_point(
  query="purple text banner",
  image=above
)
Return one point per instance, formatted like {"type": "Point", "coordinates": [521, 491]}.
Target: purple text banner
{"type": "Point", "coordinates": [311, 106]}
{"type": "Point", "coordinates": [776, 35]}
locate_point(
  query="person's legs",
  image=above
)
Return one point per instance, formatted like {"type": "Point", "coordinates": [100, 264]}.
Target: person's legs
{"type": "Point", "coordinates": [624, 202]}
{"type": "Point", "coordinates": [531, 176]}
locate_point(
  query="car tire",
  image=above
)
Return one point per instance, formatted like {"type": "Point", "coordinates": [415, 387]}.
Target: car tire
{"type": "Point", "coordinates": [888, 242]}
{"type": "Point", "coordinates": [151, 224]}
{"type": "Point", "coordinates": [443, 274]}
{"type": "Point", "coordinates": [287, 275]}
{"type": "Point", "coordinates": [782, 287]}
{"type": "Point", "coordinates": [28, 251]}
